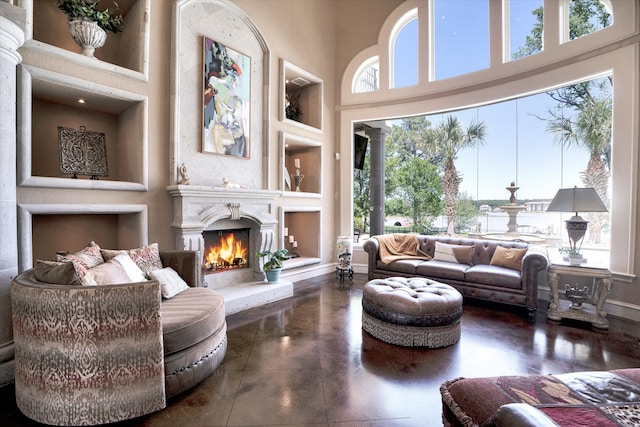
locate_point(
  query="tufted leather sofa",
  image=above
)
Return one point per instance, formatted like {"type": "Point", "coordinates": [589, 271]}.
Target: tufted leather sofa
{"type": "Point", "coordinates": [87, 355]}
{"type": "Point", "coordinates": [479, 280]}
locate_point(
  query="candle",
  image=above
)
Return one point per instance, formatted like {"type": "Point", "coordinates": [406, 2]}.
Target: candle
{"type": "Point", "coordinates": [291, 239]}
{"type": "Point", "coordinates": [286, 231]}
{"type": "Point", "coordinates": [295, 244]}
{"type": "Point", "coordinates": [296, 162]}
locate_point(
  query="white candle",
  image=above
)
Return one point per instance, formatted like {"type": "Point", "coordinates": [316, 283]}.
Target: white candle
{"type": "Point", "coordinates": [296, 162]}
{"type": "Point", "coordinates": [295, 244]}
{"type": "Point", "coordinates": [286, 231]}
{"type": "Point", "coordinates": [291, 239]}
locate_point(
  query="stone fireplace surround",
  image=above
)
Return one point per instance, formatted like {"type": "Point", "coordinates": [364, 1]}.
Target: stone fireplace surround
{"type": "Point", "coordinates": [200, 208]}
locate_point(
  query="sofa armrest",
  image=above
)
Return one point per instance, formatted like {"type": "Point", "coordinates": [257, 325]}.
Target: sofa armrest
{"type": "Point", "coordinates": [185, 263]}
{"type": "Point", "coordinates": [521, 415]}
{"type": "Point", "coordinates": [79, 344]}
{"type": "Point", "coordinates": [371, 246]}
{"type": "Point", "coordinates": [536, 258]}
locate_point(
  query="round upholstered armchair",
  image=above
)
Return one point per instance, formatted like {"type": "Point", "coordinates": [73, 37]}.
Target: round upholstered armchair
{"type": "Point", "coordinates": [87, 355]}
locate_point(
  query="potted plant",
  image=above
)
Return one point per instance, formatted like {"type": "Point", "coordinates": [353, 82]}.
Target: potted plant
{"type": "Point", "coordinates": [273, 266]}
{"type": "Point", "coordinates": [573, 255]}
{"type": "Point", "coordinates": [88, 25]}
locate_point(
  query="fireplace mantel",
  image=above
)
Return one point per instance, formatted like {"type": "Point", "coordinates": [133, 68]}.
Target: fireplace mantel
{"type": "Point", "coordinates": [196, 208]}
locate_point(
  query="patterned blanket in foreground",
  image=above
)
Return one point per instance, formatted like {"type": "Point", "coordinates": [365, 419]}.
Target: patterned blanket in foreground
{"type": "Point", "coordinates": [606, 398]}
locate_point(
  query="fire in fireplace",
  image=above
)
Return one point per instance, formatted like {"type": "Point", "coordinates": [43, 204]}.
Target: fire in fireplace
{"type": "Point", "coordinates": [226, 250]}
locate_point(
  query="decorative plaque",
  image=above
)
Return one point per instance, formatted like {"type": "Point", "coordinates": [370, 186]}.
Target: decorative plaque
{"type": "Point", "coordinates": [82, 152]}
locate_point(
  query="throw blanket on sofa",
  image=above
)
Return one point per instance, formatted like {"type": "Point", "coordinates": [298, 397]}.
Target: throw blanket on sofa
{"type": "Point", "coordinates": [400, 246]}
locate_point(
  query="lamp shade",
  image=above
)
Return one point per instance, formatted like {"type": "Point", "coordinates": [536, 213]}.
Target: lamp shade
{"type": "Point", "coordinates": [576, 200]}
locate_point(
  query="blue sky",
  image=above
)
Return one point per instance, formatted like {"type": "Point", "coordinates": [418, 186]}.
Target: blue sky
{"type": "Point", "coordinates": [517, 147]}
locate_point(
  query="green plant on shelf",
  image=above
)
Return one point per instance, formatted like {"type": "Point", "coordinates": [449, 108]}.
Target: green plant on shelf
{"type": "Point", "coordinates": [106, 19]}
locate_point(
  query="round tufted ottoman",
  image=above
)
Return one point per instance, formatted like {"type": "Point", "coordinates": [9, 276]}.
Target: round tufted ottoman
{"type": "Point", "coordinates": [412, 312]}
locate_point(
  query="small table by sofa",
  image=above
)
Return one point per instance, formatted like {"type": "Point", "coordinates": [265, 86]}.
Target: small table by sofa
{"type": "Point", "coordinates": [593, 312]}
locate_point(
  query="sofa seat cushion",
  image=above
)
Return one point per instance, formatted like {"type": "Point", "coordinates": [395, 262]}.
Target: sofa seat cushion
{"type": "Point", "coordinates": [191, 317]}
{"type": "Point", "coordinates": [403, 266]}
{"type": "Point", "coordinates": [494, 275]}
{"type": "Point", "coordinates": [442, 269]}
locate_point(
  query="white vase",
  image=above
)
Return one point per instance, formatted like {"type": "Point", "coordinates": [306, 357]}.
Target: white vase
{"type": "Point", "coordinates": [88, 35]}
{"type": "Point", "coordinates": [344, 247]}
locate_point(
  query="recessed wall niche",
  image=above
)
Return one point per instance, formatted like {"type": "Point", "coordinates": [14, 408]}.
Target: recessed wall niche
{"type": "Point", "coordinates": [45, 229]}
{"type": "Point", "coordinates": [128, 49]}
{"type": "Point", "coordinates": [308, 154]}
{"type": "Point", "coordinates": [303, 226]}
{"type": "Point", "coordinates": [48, 100]}
{"type": "Point", "coordinates": [300, 97]}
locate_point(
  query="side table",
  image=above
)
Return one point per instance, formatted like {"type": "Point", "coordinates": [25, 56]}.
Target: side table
{"type": "Point", "coordinates": [591, 312]}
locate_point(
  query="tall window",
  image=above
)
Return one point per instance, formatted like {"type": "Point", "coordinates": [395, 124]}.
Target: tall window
{"type": "Point", "coordinates": [461, 37]}
{"type": "Point", "coordinates": [525, 27]}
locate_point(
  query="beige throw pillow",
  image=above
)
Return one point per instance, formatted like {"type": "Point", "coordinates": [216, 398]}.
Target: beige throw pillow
{"type": "Point", "coordinates": [460, 254]}
{"type": "Point", "coordinates": [108, 273]}
{"type": "Point", "coordinates": [508, 257]}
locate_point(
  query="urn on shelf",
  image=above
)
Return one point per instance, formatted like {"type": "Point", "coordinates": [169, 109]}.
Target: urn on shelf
{"type": "Point", "coordinates": [89, 26]}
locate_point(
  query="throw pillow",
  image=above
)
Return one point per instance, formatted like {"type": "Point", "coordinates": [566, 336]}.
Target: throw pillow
{"type": "Point", "coordinates": [108, 273]}
{"type": "Point", "coordinates": [130, 267]}
{"type": "Point", "coordinates": [147, 258]}
{"type": "Point", "coordinates": [61, 273]}
{"type": "Point", "coordinates": [171, 284]}
{"type": "Point", "coordinates": [83, 260]}
{"type": "Point", "coordinates": [508, 257]}
{"type": "Point", "coordinates": [461, 254]}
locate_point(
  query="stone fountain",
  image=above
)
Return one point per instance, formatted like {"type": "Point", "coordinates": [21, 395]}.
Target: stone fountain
{"type": "Point", "coordinates": [512, 210]}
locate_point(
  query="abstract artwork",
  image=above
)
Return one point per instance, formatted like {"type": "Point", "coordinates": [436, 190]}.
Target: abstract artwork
{"type": "Point", "coordinates": [226, 100]}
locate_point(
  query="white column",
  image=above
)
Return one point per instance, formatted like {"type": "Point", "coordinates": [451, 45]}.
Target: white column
{"type": "Point", "coordinates": [12, 35]}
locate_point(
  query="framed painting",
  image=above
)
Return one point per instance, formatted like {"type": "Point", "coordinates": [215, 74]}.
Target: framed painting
{"type": "Point", "coordinates": [226, 100]}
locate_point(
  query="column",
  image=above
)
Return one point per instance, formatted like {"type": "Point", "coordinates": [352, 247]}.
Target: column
{"type": "Point", "coordinates": [12, 35]}
{"type": "Point", "coordinates": [377, 136]}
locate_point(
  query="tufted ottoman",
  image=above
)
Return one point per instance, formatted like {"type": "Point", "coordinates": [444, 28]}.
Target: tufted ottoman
{"type": "Point", "coordinates": [412, 312]}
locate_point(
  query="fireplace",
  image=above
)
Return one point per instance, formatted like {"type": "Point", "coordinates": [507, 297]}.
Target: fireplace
{"type": "Point", "coordinates": [225, 250]}
{"type": "Point", "coordinates": [204, 215]}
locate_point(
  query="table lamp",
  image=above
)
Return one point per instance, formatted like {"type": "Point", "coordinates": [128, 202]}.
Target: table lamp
{"type": "Point", "coordinates": [576, 200]}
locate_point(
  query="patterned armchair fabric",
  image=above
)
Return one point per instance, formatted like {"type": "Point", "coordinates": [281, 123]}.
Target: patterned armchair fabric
{"type": "Point", "coordinates": [87, 355]}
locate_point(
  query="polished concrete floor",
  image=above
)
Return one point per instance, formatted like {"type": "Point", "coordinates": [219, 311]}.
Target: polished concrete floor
{"type": "Point", "coordinates": [306, 361]}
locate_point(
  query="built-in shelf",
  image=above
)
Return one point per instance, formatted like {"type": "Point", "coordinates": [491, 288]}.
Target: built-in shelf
{"type": "Point", "coordinates": [302, 224]}
{"type": "Point", "coordinates": [48, 100]}
{"type": "Point", "coordinates": [122, 52]}
{"type": "Point", "coordinates": [48, 228]}
{"type": "Point", "coordinates": [300, 97]}
{"type": "Point", "coordinates": [308, 153]}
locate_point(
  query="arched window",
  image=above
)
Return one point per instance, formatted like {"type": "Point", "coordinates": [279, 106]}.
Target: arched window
{"type": "Point", "coordinates": [574, 26]}
{"type": "Point", "coordinates": [404, 51]}
{"type": "Point", "coordinates": [367, 78]}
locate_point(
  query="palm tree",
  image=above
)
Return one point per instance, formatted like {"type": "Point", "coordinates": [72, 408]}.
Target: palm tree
{"type": "Point", "coordinates": [591, 130]}
{"type": "Point", "coordinates": [450, 139]}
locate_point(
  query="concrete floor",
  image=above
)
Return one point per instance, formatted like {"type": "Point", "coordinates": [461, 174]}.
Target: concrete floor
{"type": "Point", "coordinates": [306, 361]}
